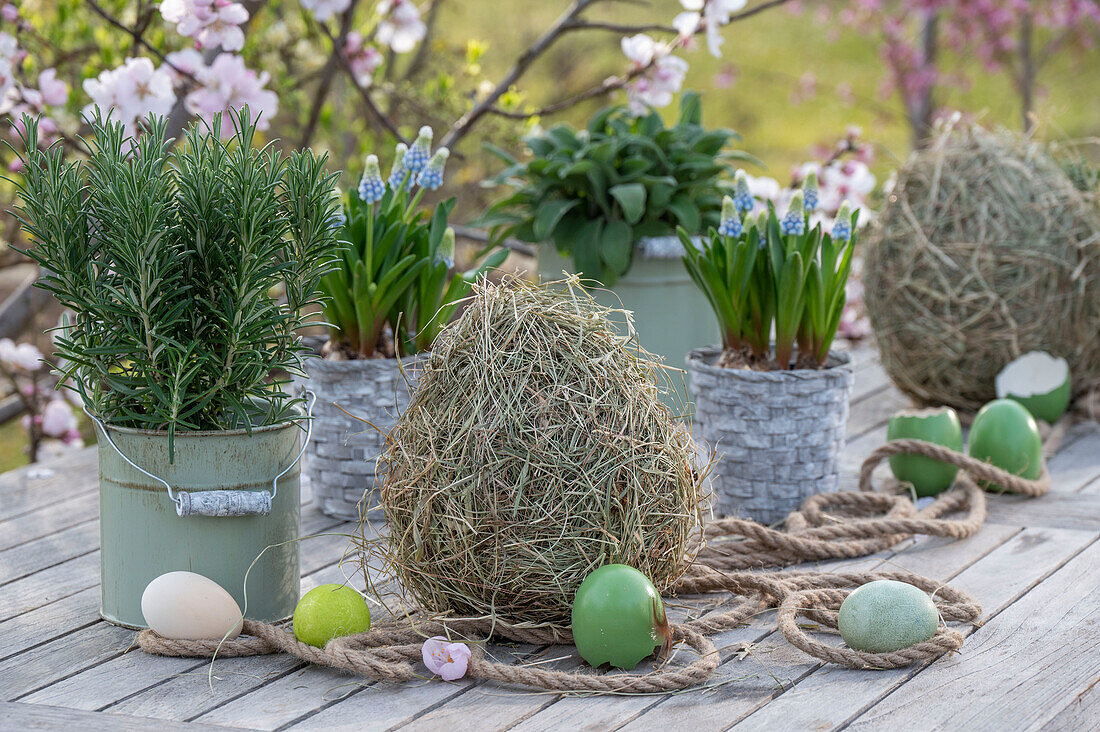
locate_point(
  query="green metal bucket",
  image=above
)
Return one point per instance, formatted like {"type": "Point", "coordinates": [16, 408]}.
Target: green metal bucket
{"type": "Point", "coordinates": [671, 314]}
{"type": "Point", "coordinates": [142, 535]}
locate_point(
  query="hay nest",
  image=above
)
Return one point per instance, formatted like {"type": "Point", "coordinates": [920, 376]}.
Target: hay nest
{"type": "Point", "coordinates": [984, 251]}
{"type": "Point", "coordinates": [535, 449]}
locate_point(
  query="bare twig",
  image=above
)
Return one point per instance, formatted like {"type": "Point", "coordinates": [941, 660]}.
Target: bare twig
{"type": "Point", "coordinates": [612, 83]}
{"type": "Point", "coordinates": [138, 38]}
{"type": "Point", "coordinates": [364, 93]}
{"type": "Point", "coordinates": [324, 86]}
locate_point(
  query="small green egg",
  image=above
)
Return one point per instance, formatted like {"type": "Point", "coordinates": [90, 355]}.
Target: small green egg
{"type": "Point", "coordinates": [941, 426]}
{"type": "Point", "coordinates": [887, 615]}
{"type": "Point", "coordinates": [330, 611]}
{"type": "Point", "coordinates": [618, 617]}
{"type": "Point", "coordinates": [1005, 434]}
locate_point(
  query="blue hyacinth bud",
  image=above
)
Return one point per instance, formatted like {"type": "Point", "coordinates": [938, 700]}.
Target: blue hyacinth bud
{"type": "Point", "coordinates": [446, 253]}
{"type": "Point", "coordinates": [432, 176]}
{"type": "Point", "coordinates": [842, 227]}
{"type": "Point", "coordinates": [338, 218]}
{"type": "Point", "coordinates": [398, 172]}
{"type": "Point", "coordinates": [742, 198]}
{"type": "Point", "coordinates": [731, 220]}
{"type": "Point", "coordinates": [371, 186]}
{"type": "Point", "coordinates": [810, 195]}
{"type": "Point", "coordinates": [762, 229]}
{"type": "Point", "coordinates": [794, 221]}
{"type": "Point", "coordinates": [417, 156]}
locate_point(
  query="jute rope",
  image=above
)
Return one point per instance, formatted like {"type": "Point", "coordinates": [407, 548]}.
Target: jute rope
{"type": "Point", "coordinates": [828, 526]}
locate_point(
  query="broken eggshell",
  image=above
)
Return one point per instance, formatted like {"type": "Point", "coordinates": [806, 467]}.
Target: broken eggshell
{"type": "Point", "coordinates": [1040, 382]}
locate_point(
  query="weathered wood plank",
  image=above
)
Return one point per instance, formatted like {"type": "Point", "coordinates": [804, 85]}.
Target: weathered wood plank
{"type": "Point", "coordinates": [1018, 668]}
{"type": "Point", "coordinates": [832, 696]}
{"type": "Point", "coordinates": [110, 672]}
{"type": "Point", "coordinates": [49, 622]}
{"type": "Point", "coordinates": [73, 474]}
{"type": "Point", "coordinates": [49, 585]}
{"type": "Point", "coordinates": [47, 551]}
{"type": "Point", "coordinates": [51, 519]}
{"type": "Point", "coordinates": [19, 716]}
{"type": "Point", "coordinates": [1082, 711]}
{"type": "Point", "coordinates": [1056, 510]}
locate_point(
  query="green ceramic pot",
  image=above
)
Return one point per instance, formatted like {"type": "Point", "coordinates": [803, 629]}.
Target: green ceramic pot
{"type": "Point", "coordinates": [671, 314]}
{"type": "Point", "coordinates": [142, 537]}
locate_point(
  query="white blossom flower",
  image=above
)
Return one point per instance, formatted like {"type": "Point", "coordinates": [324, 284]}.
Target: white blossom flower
{"type": "Point", "coordinates": [657, 86]}
{"type": "Point", "coordinates": [712, 14]}
{"type": "Point", "coordinates": [58, 419]}
{"type": "Point", "coordinates": [401, 27]}
{"type": "Point", "coordinates": [182, 63]}
{"type": "Point", "coordinates": [228, 84]}
{"type": "Point", "coordinates": [22, 356]}
{"type": "Point", "coordinates": [135, 90]}
{"type": "Point", "coordinates": [640, 49]}
{"type": "Point", "coordinates": [211, 23]}
{"type": "Point", "coordinates": [53, 91]}
{"type": "Point", "coordinates": [324, 9]}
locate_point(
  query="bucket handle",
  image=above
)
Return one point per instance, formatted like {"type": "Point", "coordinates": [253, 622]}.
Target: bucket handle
{"type": "Point", "coordinates": [218, 503]}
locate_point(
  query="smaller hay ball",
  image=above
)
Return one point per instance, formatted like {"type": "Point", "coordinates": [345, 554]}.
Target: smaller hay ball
{"type": "Point", "coordinates": [535, 449]}
{"type": "Point", "coordinates": [983, 251]}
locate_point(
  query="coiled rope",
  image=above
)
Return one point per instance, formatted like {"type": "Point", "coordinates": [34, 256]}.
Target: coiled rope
{"type": "Point", "coordinates": [729, 556]}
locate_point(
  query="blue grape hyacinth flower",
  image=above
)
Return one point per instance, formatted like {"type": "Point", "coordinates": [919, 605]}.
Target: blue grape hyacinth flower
{"type": "Point", "coordinates": [398, 174]}
{"type": "Point", "coordinates": [762, 229]}
{"type": "Point", "coordinates": [418, 155]}
{"type": "Point", "coordinates": [810, 192]}
{"type": "Point", "coordinates": [742, 197]}
{"type": "Point", "coordinates": [794, 221]}
{"type": "Point", "coordinates": [446, 253]}
{"type": "Point", "coordinates": [730, 224]}
{"type": "Point", "coordinates": [842, 227]}
{"type": "Point", "coordinates": [432, 176]}
{"type": "Point", "coordinates": [371, 185]}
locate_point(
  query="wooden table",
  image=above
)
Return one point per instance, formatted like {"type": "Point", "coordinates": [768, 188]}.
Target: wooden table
{"type": "Point", "coordinates": [1034, 661]}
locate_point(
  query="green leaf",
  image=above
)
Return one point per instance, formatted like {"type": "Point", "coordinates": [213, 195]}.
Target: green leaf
{"type": "Point", "coordinates": [548, 216]}
{"type": "Point", "coordinates": [631, 197]}
{"type": "Point", "coordinates": [586, 249]}
{"type": "Point", "coordinates": [685, 212]}
{"type": "Point", "coordinates": [616, 247]}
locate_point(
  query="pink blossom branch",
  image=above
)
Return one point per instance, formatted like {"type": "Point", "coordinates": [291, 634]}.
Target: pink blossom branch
{"type": "Point", "coordinates": [364, 93]}
{"type": "Point", "coordinates": [138, 38]}
{"type": "Point", "coordinates": [328, 73]}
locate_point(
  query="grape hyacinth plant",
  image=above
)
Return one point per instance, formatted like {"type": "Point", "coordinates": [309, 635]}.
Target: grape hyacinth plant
{"type": "Point", "coordinates": [392, 289]}
{"type": "Point", "coordinates": [768, 274]}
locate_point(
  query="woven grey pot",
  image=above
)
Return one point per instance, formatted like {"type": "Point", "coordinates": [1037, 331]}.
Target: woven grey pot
{"type": "Point", "coordinates": [341, 461]}
{"type": "Point", "coordinates": [778, 433]}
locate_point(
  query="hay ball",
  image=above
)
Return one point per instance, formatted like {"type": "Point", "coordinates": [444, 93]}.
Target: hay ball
{"type": "Point", "coordinates": [983, 252]}
{"type": "Point", "coordinates": [535, 450]}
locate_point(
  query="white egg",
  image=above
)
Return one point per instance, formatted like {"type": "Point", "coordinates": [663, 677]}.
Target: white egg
{"type": "Point", "coordinates": [188, 606]}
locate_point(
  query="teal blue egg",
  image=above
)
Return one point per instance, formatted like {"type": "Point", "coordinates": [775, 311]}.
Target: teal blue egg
{"type": "Point", "coordinates": [887, 615]}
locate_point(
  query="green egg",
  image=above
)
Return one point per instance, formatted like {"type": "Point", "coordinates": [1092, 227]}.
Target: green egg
{"type": "Point", "coordinates": [618, 617]}
{"type": "Point", "coordinates": [940, 426]}
{"type": "Point", "coordinates": [1005, 434]}
{"type": "Point", "coordinates": [887, 615]}
{"type": "Point", "coordinates": [330, 611]}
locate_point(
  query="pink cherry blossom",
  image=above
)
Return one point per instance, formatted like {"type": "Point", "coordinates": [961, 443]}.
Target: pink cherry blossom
{"type": "Point", "coordinates": [9, 13]}
{"type": "Point", "coordinates": [228, 84]}
{"type": "Point", "coordinates": [401, 27]}
{"type": "Point", "coordinates": [183, 63]}
{"type": "Point", "coordinates": [134, 90]}
{"type": "Point", "coordinates": [212, 23]}
{"type": "Point", "coordinates": [712, 15]}
{"type": "Point", "coordinates": [448, 660]}
{"type": "Point", "coordinates": [363, 59]}
{"type": "Point", "coordinates": [54, 91]}
{"type": "Point", "coordinates": [58, 419]}
{"type": "Point", "coordinates": [324, 9]}
{"type": "Point", "coordinates": [639, 49]}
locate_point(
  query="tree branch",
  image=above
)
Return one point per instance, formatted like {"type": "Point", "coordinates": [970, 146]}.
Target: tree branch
{"type": "Point", "coordinates": [138, 37]}
{"type": "Point", "coordinates": [324, 86]}
{"type": "Point", "coordinates": [462, 127]}
{"type": "Point", "coordinates": [612, 83]}
{"type": "Point", "coordinates": [364, 93]}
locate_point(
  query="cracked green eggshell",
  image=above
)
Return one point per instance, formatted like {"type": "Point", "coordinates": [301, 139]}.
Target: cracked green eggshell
{"type": "Point", "coordinates": [1005, 434]}
{"type": "Point", "coordinates": [618, 617]}
{"type": "Point", "coordinates": [330, 611]}
{"type": "Point", "coordinates": [940, 426]}
{"type": "Point", "coordinates": [887, 615]}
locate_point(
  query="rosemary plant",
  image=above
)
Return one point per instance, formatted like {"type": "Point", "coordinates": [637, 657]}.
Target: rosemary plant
{"type": "Point", "coordinates": [395, 266]}
{"type": "Point", "coordinates": [166, 258]}
{"type": "Point", "coordinates": [767, 275]}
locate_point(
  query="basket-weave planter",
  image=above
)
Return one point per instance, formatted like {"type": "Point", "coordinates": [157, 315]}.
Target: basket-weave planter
{"type": "Point", "coordinates": [341, 462]}
{"type": "Point", "coordinates": [778, 433]}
